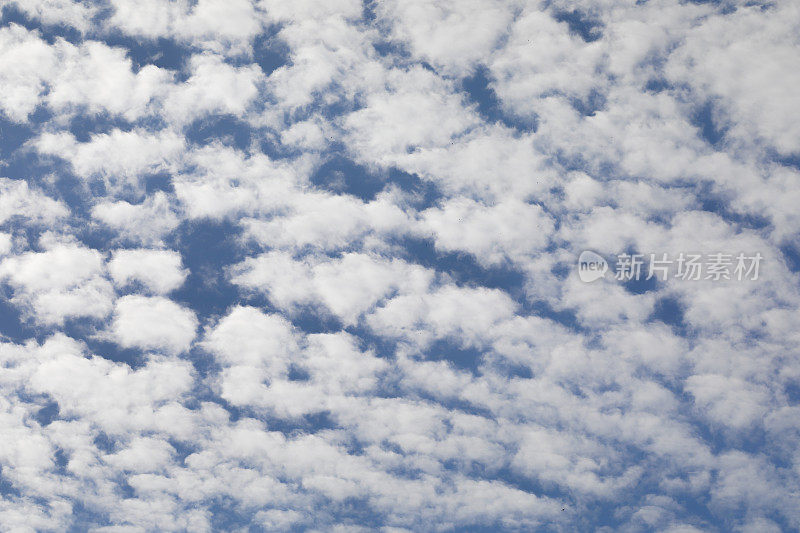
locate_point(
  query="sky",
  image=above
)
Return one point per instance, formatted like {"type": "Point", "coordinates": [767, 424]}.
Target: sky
{"type": "Point", "coordinates": [313, 265]}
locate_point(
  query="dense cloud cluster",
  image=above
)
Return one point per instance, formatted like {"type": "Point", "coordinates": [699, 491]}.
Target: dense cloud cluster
{"type": "Point", "coordinates": [310, 265]}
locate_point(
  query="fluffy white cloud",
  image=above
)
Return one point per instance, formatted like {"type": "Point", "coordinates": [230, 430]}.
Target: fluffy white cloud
{"type": "Point", "coordinates": [25, 60]}
{"type": "Point", "coordinates": [147, 222]}
{"type": "Point", "coordinates": [138, 152]}
{"type": "Point", "coordinates": [6, 243]}
{"type": "Point", "coordinates": [69, 12]}
{"type": "Point", "coordinates": [246, 336]}
{"type": "Point", "coordinates": [210, 23]}
{"type": "Point", "coordinates": [142, 455]}
{"type": "Point", "coordinates": [17, 199]}
{"type": "Point", "coordinates": [507, 231]}
{"type": "Point", "coordinates": [542, 58]}
{"type": "Point", "coordinates": [490, 164]}
{"type": "Point", "coordinates": [258, 351]}
{"type": "Point", "coordinates": [331, 222]}
{"type": "Point", "coordinates": [66, 280]}
{"type": "Point", "coordinates": [158, 270]}
{"type": "Point", "coordinates": [347, 287]}
{"type": "Point", "coordinates": [452, 35]}
{"type": "Point", "coordinates": [764, 61]}
{"type": "Point", "coordinates": [153, 323]}
{"type": "Point", "coordinates": [419, 112]}
{"type": "Point", "coordinates": [100, 78]}
{"type": "Point", "coordinates": [214, 87]}
{"type": "Point", "coordinates": [464, 315]}
{"type": "Point", "coordinates": [69, 78]}
{"type": "Point", "coordinates": [727, 401]}
{"type": "Point", "coordinates": [109, 394]}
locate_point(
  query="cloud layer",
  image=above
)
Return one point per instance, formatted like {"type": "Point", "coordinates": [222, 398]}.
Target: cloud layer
{"type": "Point", "coordinates": [311, 265]}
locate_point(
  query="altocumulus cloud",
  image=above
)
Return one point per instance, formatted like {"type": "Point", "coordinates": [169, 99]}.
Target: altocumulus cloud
{"type": "Point", "coordinates": [276, 265]}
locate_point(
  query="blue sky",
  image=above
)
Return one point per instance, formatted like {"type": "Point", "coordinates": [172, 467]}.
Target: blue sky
{"type": "Point", "coordinates": [313, 266]}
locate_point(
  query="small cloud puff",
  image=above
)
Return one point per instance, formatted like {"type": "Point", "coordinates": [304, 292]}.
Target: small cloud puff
{"type": "Point", "coordinates": [159, 271]}
{"type": "Point", "coordinates": [152, 323]}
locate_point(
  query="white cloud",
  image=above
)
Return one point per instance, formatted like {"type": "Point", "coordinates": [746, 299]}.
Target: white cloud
{"type": "Point", "coordinates": [158, 270]}
{"type": "Point", "coordinates": [419, 112]}
{"type": "Point", "coordinates": [246, 336]}
{"type": "Point", "coordinates": [762, 58]}
{"type": "Point", "coordinates": [331, 222]}
{"type": "Point", "coordinates": [25, 61]}
{"type": "Point", "coordinates": [17, 199]}
{"type": "Point", "coordinates": [221, 182]}
{"type": "Point", "coordinates": [451, 35]}
{"type": "Point", "coordinates": [507, 231]}
{"type": "Point", "coordinates": [145, 223]}
{"type": "Point", "coordinates": [68, 78]}
{"type": "Point", "coordinates": [567, 460]}
{"type": "Point", "coordinates": [213, 24]}
{"type": "Point", "coordinates": [327, 52]}
{"type": "Point", "coordinates": [727, 401]}
{"type": "Point", "coordinates": [464, 315]}
{"type": "Point", "coordinates": [347, 287]}
{"type": "Point", "coordinates": [66, 280]}
{"type": "Point", "coordinates": [308, 135]}
{"type": "Point", "coordinates": [542, 58]}
{"type": "Point", "coordinates": [489, 164]}
{"type": "Point", "coordinates": [6, 243]}
{"type": "Point", "coordinates": [69, 12]}
{"type": "Point", "coordinates": [136, 153]}
{"type": "Point", "coordinates": [142, 455]}
{"type": "Point", "coordinates": [100, 78]}
{"type": "Point", "coordinates": [308, 9]}
{"type": "Point", "coordinates": [214, 87]}
{"type": "Point", "coordinates": [153, 323]}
